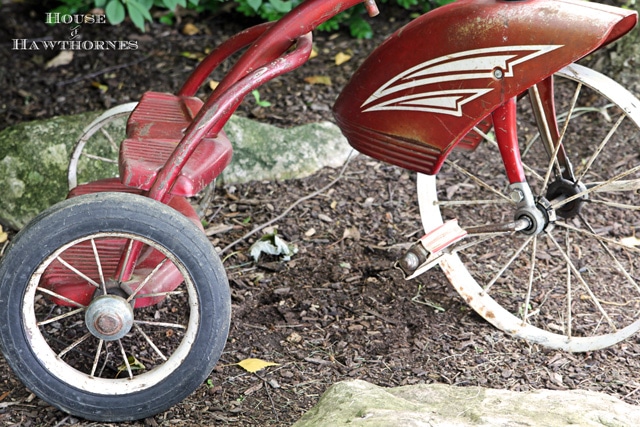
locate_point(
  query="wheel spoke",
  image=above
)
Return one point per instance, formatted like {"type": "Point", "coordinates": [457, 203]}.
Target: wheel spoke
{"type": "Point", "coordinates": [558, 145]}
{"type": "Point", "coordinates": [595, 188]}
{"type": "Point", "coordinates": [161, 324]}
{"type": "Point", "coordinates": [611, 255]}
{"type": "Point", "coordinates": [61, 317]}
{"type": "Point", "coordinates": [78, 272]}
{"type": "Point", "coordinates": [99, 265]}
{"type": "Point", "coordinates": [569, 313]}
{"type": "Point", "coordinates": [532, 268]}
{"type": "Point", "coordinates": [615, 205]}
{"type": "Point", "coordinates": [146, 280]}
{"type": "Point", "coordinates": [112, 142]}
{"type": "Point", "coordinates": [604, 142]}
{"type": "Point", "coordinates": [473, 202]}
{"type": "Point", "coordinates": [74, 345]}
{"type": "Point", "coordinates": [477, 180]}
{"type": "Point", "coordinates": [159, 294]}
{"type": "Point", "coordinates": [96, 359]}
{"type": "Point", "coordinates": [99, 158]}
{"type": "Point", "coordinates": [149, 341]}
{"type": "Point", "coordinates": [126, 260]}
{"type": "Point", "coordinates": [125, 358]}
{"type": "Point", "coordinates": [584, 284]}
{"type": "Point", "coordinates": [598, 237]}
{"type": "Point", "coordinates": [60, 297]}
{"type": "Point", "coordinates": [545, 132]}
{"type": "Point", "coordinates": [507, 264]}
{"type": "Point", "coordinates": [612, 186]}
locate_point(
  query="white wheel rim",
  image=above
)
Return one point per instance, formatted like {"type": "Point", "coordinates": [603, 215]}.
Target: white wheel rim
{"type": "Point", "coordinates": [107, 386]}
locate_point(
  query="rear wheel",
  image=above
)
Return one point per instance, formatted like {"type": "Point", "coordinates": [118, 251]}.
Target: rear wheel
{"type": "Point", "coordinates": [94, 345]}
{"type": "Point", "coordinates": [95, 154]}
{"type": "Point", "coordinates": [575, 286]}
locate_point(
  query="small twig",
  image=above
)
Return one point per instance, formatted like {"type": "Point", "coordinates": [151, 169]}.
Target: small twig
{"type": "Point", "coordinates": [103, 71]}
{"type": "Point", "coordinates": [286, 211]}
{"type": "Point", "coordinates": [63, 421]}
{"type": "Point", "coordinates": [266, 387]}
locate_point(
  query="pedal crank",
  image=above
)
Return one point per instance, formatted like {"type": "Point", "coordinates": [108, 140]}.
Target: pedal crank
{"type": "Point", "coordinates": [426, 252]}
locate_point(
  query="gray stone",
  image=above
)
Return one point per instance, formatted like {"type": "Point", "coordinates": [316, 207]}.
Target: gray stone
{"type": "Point", "coordinates": [33, 165]}
{"type": "Point", "coordinates": [265, 152]}
{"type": "Point", "coordinates": [359, 403]}
{"type": "Point", "coordinates": [34, 157]}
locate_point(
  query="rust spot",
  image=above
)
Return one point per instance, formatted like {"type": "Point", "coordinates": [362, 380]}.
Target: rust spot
{"type": "Point", "coordinates": [489, 315]}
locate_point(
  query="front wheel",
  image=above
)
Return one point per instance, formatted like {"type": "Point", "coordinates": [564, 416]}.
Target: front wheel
{"type": "Point", "coordinates": [93, 344]}
{"type": "Point", "coordinates": [575, 286]}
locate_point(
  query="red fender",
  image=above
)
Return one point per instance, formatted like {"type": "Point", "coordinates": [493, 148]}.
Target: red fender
{"type": "Point", "coordinates": [421, 91]}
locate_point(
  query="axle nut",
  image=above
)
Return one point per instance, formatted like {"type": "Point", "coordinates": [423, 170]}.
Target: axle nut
{"type": "Point", "coordinates": [109, 317]}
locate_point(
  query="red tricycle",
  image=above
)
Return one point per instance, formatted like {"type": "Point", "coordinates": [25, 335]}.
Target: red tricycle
{"type": "Point", "coordinates": [115, 306]}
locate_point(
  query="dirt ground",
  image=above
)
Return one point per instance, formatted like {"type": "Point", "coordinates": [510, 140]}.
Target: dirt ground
{"type": "Point", "coordinates": [338, 310]}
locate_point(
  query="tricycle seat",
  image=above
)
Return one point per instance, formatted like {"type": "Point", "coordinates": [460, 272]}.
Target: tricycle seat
{"type": "Point", "coordinates": [154, 129]}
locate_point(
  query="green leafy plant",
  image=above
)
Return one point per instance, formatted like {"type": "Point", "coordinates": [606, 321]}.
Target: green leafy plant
{"type": "Point", "coordinates": [260, 102]}
{"type": "Point", "coordinates": [139, 11]}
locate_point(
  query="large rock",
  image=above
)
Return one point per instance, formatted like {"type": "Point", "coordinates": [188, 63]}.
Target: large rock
{"type": "Point", "coordinates": [33, 165]}
{"type": "Point", "coordinates": [34, 157]}
{"type": "Point", "coordinates": [358, 403]}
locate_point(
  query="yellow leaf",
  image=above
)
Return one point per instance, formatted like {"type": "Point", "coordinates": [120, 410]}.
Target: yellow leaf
{"type": "Point", "coordinates": [254, 365]}
{"type": "Point", "coordinates": [213, 84]}
{"type": "Point", "coordinates": [102, 88]}
{"type": "Point", "coordinates": [190, 30]}
{"type": "Point", "coordinates": [3, 236]}
{"type": "Point", "coordinates": [318, 80]}
{"type": "Point", "coordinates": [314, 53]}
{"type": "Point", "coordinates": [341, 58]}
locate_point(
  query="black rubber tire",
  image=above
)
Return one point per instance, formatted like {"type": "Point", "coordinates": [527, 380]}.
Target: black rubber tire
{"type": "Point", "coordinates": [115, 212]}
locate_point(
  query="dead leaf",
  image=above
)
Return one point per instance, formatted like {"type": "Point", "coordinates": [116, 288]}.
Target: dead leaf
{"type": "Point", "coordinates": [313, 53]}
{"type": "Point", "coordinates": [341, 58]}
{"type": "Point", "coordinates": [630, 242]}
{"type": "Point", "coordinates": [351, 233]}
{"type": "Point", "coordinates": [3, 237]}
{"type": "Point", "coordinates": [190, 30]}
{"type": "Point", "coordinates": [63, 58]}
{"type": "Point", "coordinates": [213, 84]}
{"type": "Point", "coordinates": [318, 80]}
{"type": "Point", "coordinates": [255, 365]}
{"type": "Point", "coordinates": [254, 388]}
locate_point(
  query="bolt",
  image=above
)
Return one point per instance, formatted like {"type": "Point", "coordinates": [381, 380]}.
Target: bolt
{"type": "Point", "coordinates": [517, 195]}
{"type": "Point", "coordinates": [410, 262]}
{"type": "Point", "coordinates": [498, 74]}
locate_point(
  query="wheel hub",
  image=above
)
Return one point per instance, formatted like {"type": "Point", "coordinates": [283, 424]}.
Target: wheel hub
{"type": "Point", "coordinates": [109, 317]}
{"type": "Point", "coordinates": [562, 189]}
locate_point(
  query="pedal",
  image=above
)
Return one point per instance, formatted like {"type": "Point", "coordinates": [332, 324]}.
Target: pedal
{"type": "Point", "coordinates": [426, 252]}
